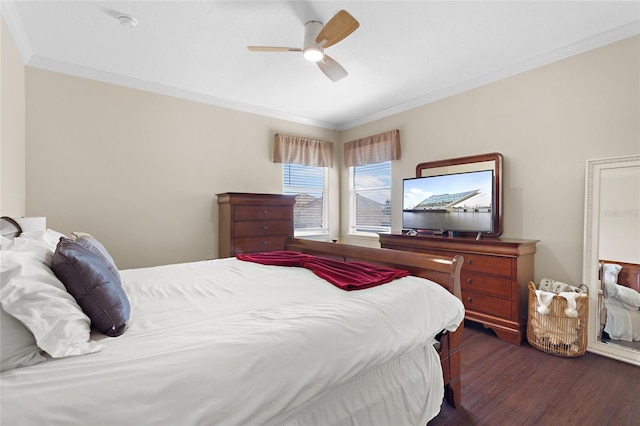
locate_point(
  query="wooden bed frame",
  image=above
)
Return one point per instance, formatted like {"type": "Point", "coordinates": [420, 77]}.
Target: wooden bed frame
{"type": "Point", "coordinates": [440, 269]}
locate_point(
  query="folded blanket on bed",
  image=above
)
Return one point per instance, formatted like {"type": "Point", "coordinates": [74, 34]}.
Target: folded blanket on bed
{"type": "Point", "coordinates": [345, 275]}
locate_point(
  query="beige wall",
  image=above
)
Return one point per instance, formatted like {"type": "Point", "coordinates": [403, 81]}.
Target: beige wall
{"type": "Point", "coordinates": [12, 127]}
{"type": "Point", "coordinates": [140, 171]}
{"type": "Point", "coordinates": [546, 122]}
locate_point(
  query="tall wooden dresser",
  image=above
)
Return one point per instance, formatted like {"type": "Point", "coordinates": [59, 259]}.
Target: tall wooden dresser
{"type": "Point", "coordinates": [494, 278]}
{"type": "Point", "coordinates": [250, 223]}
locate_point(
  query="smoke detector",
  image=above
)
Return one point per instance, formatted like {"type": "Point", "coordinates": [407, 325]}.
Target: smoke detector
{"type": "Point", "coordinates": [127, 21]}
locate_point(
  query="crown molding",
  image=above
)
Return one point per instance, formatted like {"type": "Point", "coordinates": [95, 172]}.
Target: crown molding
{"type": "Point", "coordinates": [14, 24]}
{"type": "Point", "coordinates": [625, 31]}
{"type": "Point", "coordinates": [148, 86]}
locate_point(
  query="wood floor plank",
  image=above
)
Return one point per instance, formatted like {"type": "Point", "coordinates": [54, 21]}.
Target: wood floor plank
{"type": "Point", "coordinates": [505, 384]}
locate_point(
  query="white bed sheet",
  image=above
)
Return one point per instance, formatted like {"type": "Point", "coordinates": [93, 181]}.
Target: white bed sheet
{"type": "Point", "coordinates": [621, 323]}
{"type": "Point", "coordinates": [235, 343]}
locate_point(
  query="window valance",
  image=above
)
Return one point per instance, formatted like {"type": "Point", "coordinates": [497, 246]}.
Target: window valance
{"type": "Point", "coordinates": [304, 151]}
{"type": "Point", "coordinates": [373, 149]}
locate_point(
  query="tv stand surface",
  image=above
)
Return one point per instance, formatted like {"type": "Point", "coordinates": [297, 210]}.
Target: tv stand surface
{"type": "Point", "coordinates": [494, 278]}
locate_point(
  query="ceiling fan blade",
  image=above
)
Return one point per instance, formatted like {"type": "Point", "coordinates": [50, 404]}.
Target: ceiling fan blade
{"type": "Point", "coordinates": [340, 26]}
{"type": "Point", "coordinates": [332, 69]}
{"type": "Point", "coordinates": [273, 49]}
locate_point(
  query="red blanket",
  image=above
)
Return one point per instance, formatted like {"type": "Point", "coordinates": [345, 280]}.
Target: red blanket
{"type": "Point", "coordinates": [345, 275]}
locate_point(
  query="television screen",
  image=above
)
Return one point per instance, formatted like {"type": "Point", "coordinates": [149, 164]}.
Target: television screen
{"type": "Point", "coordinates": [458, 202]}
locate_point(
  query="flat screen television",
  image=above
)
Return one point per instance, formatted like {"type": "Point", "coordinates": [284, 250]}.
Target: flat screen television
{"type": "Point", "coordinates": [456, 203]}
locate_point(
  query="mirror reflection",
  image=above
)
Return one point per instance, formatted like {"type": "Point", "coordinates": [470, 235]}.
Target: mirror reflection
{"type": "Point", "coordinates": [619, 255]}
{"type": "Point", "coordinates": [612, 256]}
{"type": "Point", "coordinates": [474, 163]}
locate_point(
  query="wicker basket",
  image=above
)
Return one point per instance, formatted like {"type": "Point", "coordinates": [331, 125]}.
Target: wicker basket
{"type": "Point", "coordinates": [555, 333]}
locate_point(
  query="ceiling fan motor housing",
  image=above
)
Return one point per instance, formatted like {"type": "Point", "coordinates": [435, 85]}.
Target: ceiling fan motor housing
{"type": "Point", "coordinates": [312, 50]}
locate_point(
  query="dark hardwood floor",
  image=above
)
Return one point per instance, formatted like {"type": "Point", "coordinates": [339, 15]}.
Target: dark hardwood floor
{"type": "Point", "coordinates": [505, 384]}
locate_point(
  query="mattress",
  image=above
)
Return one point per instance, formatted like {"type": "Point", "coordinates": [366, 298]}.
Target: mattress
{"type": "Point", "coordinates": [234, 343]}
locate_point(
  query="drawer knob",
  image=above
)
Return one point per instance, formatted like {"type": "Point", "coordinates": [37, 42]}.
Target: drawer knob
{"type": "Point", "coordinates": [469, 299]}
{"type": "Point", "coordinates": [265, 227]}
{"type": "Point", "coordinates": [469, 280]}
{"type": "Point", "coordinates": [264, 243]}
{"type": "Point", "coordinates": [468, 261]}
{"type": "Point", "coordinates": [264, 212]}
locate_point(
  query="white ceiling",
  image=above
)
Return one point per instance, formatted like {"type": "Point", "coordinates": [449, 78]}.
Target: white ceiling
{"type": "Point", "coordinates": [405, 53]}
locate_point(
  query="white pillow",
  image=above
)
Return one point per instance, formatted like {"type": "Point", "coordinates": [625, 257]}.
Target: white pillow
{"type": "Point", "coordinates": [5, 243]}
{"type": "Point", "coordinates": [17, 344]}
{"type": "Point", "coordinates": [610, 290]}
{"type": "Point", "coordinates": [610, 273]}
{"type": "Point", "coordinates": [628, 296]}
{"type": "Point", "coordinates": [43, 242]}
{"type": "Point", "coordinates": [31, 293]}
{"type": "Point", "coordinates": [48, 237]}
{"type": "Point", "coordinates": [39, 249]}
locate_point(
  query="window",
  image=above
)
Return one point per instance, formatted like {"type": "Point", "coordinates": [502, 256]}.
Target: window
{"type": "Point", "coordinates": [309, 184]}
{"type": "Point", "coordinates": [371, 197]}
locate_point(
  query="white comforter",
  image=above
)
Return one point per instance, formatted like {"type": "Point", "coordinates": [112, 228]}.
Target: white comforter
{"type": "Point", "coordinates": [228, 342]}
{"type": "Point", "coordinates": [622, 323]}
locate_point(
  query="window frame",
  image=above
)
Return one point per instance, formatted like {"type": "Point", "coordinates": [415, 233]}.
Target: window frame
{"type": "Point", "coordinates": [323, 230]}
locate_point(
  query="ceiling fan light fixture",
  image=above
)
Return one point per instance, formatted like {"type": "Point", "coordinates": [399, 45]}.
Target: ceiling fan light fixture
{"type": "Point", "coordinates": [317, 38]}
{"type": "Point", "coordinates": [313, 54]}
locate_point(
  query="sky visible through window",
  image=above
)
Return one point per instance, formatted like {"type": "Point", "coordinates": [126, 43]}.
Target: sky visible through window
{"type": "Point", "coordinates": [374, 176]}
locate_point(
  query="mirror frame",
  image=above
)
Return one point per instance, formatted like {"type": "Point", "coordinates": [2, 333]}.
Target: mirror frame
{"type": "Point", "coordinates": [590, 263]}
{"type": "Point", "coordinates": [468, 163]}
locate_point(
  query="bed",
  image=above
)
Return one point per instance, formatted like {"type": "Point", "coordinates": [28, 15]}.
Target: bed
{"type": "Point", "coordinates": [620, 315]}
{"type": "Point", "coordinates": [229, 342]}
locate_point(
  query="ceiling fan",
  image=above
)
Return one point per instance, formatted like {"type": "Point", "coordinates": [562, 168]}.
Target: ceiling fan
{"type": "Point", "coordinates": [317, 38]}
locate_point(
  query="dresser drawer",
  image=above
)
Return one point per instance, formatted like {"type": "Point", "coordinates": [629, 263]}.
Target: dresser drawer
{"type": "Point", "coordinates": [487, 264]}
{"type": "Point", "coordinates": [254, 245]}
{"type": "Point", "coordinates": [494, 277]}
{"type": "Point", "coordinates": [486, 304]}
{"type": "Point", "coordinates": [260, 229]}
{"type": "Point", "coordinates": [485, 284]}
{"type": "Point", "coordinates": [259, 213]}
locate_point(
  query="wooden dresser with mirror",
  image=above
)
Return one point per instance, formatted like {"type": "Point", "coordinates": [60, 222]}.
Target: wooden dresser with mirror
{"type": "Point", "coordinates": [496, 271]}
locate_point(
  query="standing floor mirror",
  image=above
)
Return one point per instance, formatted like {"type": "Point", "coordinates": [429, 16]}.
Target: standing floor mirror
{"type": "Point", "coordinates": [612, 238]}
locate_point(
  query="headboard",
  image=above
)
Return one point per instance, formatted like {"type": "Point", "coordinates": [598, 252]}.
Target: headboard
{"type": "Point", "coordinates": [9, 228]}
{"type": "Point", "coordinates": [629, 275]}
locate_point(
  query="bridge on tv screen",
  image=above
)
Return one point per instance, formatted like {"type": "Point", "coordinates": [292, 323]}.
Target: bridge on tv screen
{"type": "Point", "coordinates": [449, 202]}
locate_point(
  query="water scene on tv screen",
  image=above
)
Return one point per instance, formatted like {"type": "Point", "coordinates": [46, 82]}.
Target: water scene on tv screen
{"type": "Point", "coordinates": [455, 202]}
